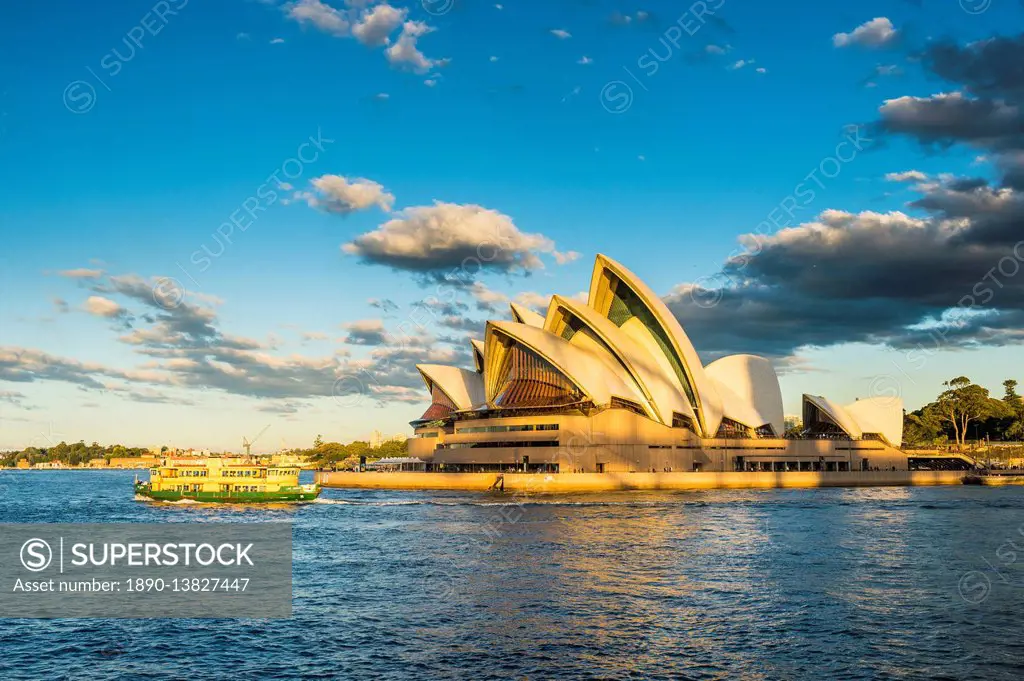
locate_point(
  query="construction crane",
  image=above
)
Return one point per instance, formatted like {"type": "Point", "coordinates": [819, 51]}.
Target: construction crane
{"type": "Point", "coordinates": [247, 443]}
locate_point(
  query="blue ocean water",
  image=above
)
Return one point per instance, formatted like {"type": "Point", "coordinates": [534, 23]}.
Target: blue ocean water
{"type": "Point", "coordinates": [886, 583]}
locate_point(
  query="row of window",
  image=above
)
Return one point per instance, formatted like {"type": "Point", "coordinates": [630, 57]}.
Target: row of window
{"type": "Point", "coordinates": [250, 488]}
{"type": "Point", "coordinates": [508, 429]}
{"type": "Point", "coordinates": [495, 445]}
{"type": "Point", "coordinates": [789, 466]}
{"type": "Point", "coordinates": [228, 473]}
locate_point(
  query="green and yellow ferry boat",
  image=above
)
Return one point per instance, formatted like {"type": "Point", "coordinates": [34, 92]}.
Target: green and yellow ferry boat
{"type": "Point", "coordinates": [229, 480]}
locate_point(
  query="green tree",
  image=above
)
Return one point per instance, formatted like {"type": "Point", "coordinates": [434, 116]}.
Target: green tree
{"type": "Point", "coordinates": [1011, 397]}
{"type": "Point", "coordinates": [1013, 426]}
{"type": "Point", "coordinates": [961, 404]}
{"type": "Point", "coordinates": [922, 427]}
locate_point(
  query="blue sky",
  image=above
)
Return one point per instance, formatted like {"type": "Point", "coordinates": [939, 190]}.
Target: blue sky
{"type": "Point", "coordinates": [130, 132]}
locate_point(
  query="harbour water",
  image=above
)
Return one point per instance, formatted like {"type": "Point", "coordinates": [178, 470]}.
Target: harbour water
{"type": "Point", "coordinates": [831, 583]}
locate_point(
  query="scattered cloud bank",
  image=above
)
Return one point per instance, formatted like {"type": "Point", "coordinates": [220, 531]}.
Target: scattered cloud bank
{"type": "Point", "coordinates": [947, 272]}
{"type": "Point", "coordinates": [181, 345]}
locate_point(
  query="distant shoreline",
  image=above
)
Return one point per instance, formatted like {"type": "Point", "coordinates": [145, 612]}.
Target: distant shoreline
{"type": "Point", "coordinates": [74, 468]}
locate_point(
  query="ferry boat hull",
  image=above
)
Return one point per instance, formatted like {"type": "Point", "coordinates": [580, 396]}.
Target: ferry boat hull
{"type": "Point", "coordinates": [302, 493]}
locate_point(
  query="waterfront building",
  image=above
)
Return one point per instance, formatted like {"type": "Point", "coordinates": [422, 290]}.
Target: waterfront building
{"type": "Point", "coordinates": [614, 385]}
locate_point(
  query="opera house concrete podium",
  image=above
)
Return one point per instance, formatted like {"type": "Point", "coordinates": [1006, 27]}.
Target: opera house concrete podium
{"type": "Point", "coordinates": [614, 385]}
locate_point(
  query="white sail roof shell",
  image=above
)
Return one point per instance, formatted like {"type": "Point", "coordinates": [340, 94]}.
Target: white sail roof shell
{"type": "Point", "coordinates": [463, 387]}
{"type": "Point", "coordinates": [882, 415]}
{"type": "Point", "coordinates": [525, 315]}
{"type": "Point", "coordinates": [709, 411]}
{"type": "Point", "coordinates": [750, 391]}
{"type": "Point", "coordinates": [836, 413]}
{"type": "Point", "coordinates": [643, 368]}
{"type": "Point", "coordinates": [597, 376]}
{"type": "Point", "coordinates": [478, 354]}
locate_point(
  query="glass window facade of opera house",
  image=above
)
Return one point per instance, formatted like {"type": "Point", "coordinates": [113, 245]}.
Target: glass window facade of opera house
{"type": "Point", "coordinates": [614, 385]}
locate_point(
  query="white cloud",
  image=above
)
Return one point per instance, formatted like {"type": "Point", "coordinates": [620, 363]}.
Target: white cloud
{"type": "Point", "coordinates": [533, 300]}
{"type": "Point", "coordinates": [565, 258]}
{"type": "Point", "coordinates": [405, 53]}
{"type": "Point", "coordinates": [277, 41]}
{"type": "Point", "coordinates": [585, 60]}
{"type": "Point", "coordinates": [441, 238]}
{"type": "Point", "coordinates": [714, 49]}
{"type": "Point", "coordinates": [375, 25]}
{"type": "Point", "coordinates": [906, 176]}
{"type": "Point", "coordinates": [81, 273]}
{"type": "Point", "coordinates": [761, 69]}
{"type": "Point", "coordinates": [337, 194]}
{"type": "Point", "coordinates": [430, 82]}
{"type": "Point", "coordinates": [366, 332]}
{"type": "Point", "coordinates": [371, 26]}
{"type": "Point", "coordinates": [739, 64]}
{"type": "Point", "coordinates": [485, 297]}
{"type": "Point", "coordinates": [320, 15]}
{"type": "Point", "coordinates": [560, 33]}
{"type": "Point", "coordinates": [103, 307]}
{"type": "Point", "coordinates": [875, 33]}
{"type": "Point", "coordinates": [494, 59]}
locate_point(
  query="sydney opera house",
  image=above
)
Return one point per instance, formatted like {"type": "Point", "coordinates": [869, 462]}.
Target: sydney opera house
{"type": "Point", "coordinates": [614, 385]}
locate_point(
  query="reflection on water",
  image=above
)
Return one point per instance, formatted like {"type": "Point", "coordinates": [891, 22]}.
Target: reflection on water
{"type": "Point", "coordinates": [772, 584]}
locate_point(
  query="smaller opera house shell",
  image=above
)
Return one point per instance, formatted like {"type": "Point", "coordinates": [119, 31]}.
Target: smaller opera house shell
{"type": "Point", "coordinates": [614, 385]}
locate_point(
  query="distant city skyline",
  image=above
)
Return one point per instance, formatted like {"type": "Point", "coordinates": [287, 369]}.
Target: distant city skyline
{"type": "Point", "coordinates": [261, 216]}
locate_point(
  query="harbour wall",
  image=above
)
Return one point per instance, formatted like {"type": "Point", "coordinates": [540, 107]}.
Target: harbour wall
{"type": "Point", "coordinates": [555, 483]}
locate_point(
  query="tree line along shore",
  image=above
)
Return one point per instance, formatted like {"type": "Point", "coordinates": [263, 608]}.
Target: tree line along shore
{"type": "Point", "coordinates": [321, 455]}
